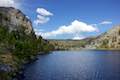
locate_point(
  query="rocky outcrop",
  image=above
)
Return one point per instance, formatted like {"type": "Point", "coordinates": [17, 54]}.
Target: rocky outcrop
{"type": "Point", "coordinates": [14, 19]}
{"type": "Point", "coordinates": [18, 43]}
{"type": "Point", "coordinates": [109, 40]}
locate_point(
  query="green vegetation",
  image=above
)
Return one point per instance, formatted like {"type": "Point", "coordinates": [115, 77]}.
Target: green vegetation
{"type": "Point", "coordinates": [68, 44]}
{"type": "Point", "coordinates": [104, 44]}
{"type": "Point", "coordinates": [18, 48]}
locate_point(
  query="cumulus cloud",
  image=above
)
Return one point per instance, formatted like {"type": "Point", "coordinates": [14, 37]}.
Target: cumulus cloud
{"type": "Point", "coordinates": [106, 22]}
{"type": "Point", "coordinates": [75, 27]}
{"type": "Point", "coordinates": [38, 30]}
{"type": "Point", "coordinates": [77, 37]}
{"type": "Point", "coordinates": [43, 16]}
{"type": "Point", "coordinates": [44, 12]}
{"type": "Point", "coordinates": [41, 19]}
{"type": "Point", "coordinates": [8, 3]}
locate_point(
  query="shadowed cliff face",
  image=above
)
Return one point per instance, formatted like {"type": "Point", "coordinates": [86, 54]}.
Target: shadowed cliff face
{"type": "Point", "coordinates": [110, 39]}
{"type": "Point", "coordinates": [14, 19]}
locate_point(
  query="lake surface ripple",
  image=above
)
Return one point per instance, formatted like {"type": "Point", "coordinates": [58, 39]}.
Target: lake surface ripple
{"type": "Point", "coordinates": [75, 65]}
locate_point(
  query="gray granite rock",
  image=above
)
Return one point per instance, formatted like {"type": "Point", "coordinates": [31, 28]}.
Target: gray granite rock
{"type": "Point", "coordinates": [14, 19]}
{"type": "Point", "coordinates": [110, 39]}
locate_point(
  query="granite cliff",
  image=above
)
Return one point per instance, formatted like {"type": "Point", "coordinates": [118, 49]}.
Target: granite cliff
{"type": "Point", "coordinates": [14, 19]}
{"type": "Point", "coordinates": [107, 40]}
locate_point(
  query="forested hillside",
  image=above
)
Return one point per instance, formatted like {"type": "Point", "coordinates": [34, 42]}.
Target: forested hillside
{"type": "Point", "coordinates": [70, 44]}
{"type": "Point", "coordinates": [18, 42]}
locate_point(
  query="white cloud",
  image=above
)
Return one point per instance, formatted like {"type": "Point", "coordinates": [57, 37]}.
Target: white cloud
{"type": "Point", "coordinates": [106, 22]}
{"type": "Point", "coordinates": [75, 27]}
{"type": "Point", "coordinates": [43, 16]}
{"type": "Point", "coordinates": [41, 20]}
{"type": "Point", "coordinates": [8, 3]}
{"type": "Point", "coordinates": [38, 30]}
{"type": "Point", "coordinates": [77, 37]}
{"type": "Point", "coordinates": [43, 12]}
{"type": "Point", "coordinates": [94, 24]}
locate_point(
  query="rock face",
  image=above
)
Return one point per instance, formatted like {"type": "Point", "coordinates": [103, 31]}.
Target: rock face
{"type": "Point", "coordinates": [18, 43]}
{"type": "Point", "coordinates": [14, 19]}
{"type": "Point", "coordinates": [110, 39]}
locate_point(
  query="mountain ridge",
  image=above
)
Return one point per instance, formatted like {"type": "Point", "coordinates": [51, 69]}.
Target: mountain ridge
{"type": "Point", "coordinates": [107, 40]}
{"type": "Point", "coordinates": [103, 41]}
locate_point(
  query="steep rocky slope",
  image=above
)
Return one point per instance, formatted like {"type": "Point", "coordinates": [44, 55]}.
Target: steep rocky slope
{"type": "Point", "coordinates": [14, 19]}
{"type": "Point", "coordinates": [18, 42]}
{"type": "Point", "coordinates": [108, 40]}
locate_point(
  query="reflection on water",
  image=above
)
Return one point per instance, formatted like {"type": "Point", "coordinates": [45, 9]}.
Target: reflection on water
{"type": "Point", "coordinates": [75, 65]}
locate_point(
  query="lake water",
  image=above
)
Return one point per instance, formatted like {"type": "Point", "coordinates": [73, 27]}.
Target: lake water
{"type": "Point", "coordinates": [75, 65]}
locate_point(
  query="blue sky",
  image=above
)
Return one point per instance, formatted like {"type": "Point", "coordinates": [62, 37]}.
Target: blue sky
{"type": "Point", "coordinates": [70, 19]}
